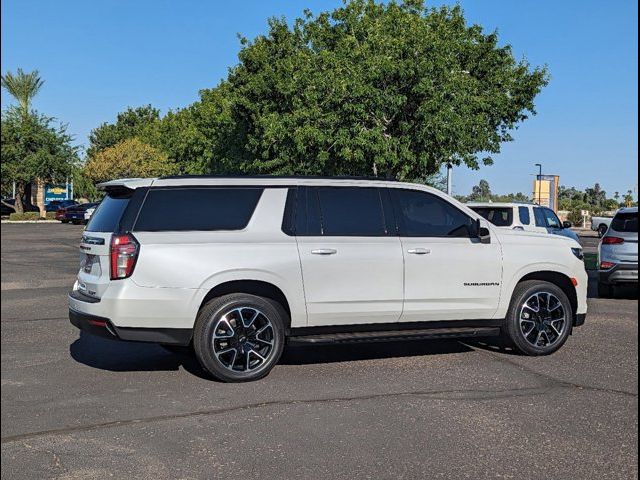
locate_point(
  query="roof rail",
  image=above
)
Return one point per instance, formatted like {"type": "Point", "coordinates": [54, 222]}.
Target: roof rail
{"type": "Point", "coordinates": [267, 177]}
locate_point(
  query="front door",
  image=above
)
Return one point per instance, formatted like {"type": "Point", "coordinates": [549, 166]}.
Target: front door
{"type": "Point", "coordinates": [448, 274]}
{"type": "Point", "coordinates": [352, 264]}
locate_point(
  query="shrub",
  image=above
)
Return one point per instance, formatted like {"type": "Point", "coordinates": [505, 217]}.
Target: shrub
{"type": "Point", "coordinates": [51, 215]}
{"type": "Point", "coordinates": [24, 216]}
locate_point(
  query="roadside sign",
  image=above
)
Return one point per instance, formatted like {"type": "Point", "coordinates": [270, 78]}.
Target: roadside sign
{"type": "Point", "coordinates": [55, 192]}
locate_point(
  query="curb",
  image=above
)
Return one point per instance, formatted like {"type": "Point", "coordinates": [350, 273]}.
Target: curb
{"type": "Point", "coordinates": [30, 221]}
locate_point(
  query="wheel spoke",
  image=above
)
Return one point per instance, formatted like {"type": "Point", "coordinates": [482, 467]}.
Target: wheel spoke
{"type": "Point", "coordinates": [528, 332]}
{"type": "Point", "coordinates": [224, 321]}
{"type": "Point", "coordinates": [555, 329]}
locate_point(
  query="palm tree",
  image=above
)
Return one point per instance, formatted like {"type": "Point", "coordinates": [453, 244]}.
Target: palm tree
{"type": "Point", "coordinates": [23, 87]}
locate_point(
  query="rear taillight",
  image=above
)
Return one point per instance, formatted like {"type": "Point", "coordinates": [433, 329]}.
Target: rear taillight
{"type": "Point", "coordinates": [606, 265]}
{"type": "Point", "coordinates": [612, 240]}
{"type": "Point", "coordinates": [123, 253]}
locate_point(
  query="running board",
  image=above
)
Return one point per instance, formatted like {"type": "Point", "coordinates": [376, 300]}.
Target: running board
{"type": "Point", "coordinates": [394, 335]}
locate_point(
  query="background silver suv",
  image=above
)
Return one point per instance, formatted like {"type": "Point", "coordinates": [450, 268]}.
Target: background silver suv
{"type": "Point", "coordinates": [618, 252]}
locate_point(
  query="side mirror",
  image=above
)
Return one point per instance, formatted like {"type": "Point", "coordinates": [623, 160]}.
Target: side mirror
{"type": "Point", "coordinates": [566, 224]}
{"type": "Point", "coordinates": [482, 233]}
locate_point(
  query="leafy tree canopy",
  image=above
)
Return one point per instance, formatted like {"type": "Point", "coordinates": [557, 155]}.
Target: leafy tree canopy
{"type": "Point", "coordinates": [127, 159]}
{"type": "Point", "coordinates": [34, 147]}
{"type": "Point", "coordinates": [390, 89]}
{"type": "Point", "coordinates": [133, 122]}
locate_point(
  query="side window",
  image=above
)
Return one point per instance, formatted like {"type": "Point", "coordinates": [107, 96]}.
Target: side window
{"type": "Point", "coordinates": [421, 214]}
{"type": "Point", "coordinates": [539, 216]}
{"type": "Point", "coordinates": [525, 216]}
{"type": "Point", "coordinates": [197, 209]}
{"type": "Point", "coordinates": [552, 219]}
{"type": "Point", "coordinates": [349, 211]}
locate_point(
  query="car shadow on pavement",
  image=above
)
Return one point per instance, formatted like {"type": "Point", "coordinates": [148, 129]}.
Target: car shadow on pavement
{"type": "Point", "coordinates": [118, 356]}
{"type": "Point", "coordinates": [313, 354]}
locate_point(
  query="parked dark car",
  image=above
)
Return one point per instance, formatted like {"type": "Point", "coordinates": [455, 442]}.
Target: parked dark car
{"type": "Point", "coordinates": [75, 213]}
{"type": "Point", "coordinates": [12, 201]}
{"type": "Point", "coordinates": [55, 205]}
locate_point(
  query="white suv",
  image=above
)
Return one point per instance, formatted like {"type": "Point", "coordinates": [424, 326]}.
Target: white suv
{"type": "Point", "coordinates": [236, 267]}
{"type": "Point", "coordinates": [524, 216]}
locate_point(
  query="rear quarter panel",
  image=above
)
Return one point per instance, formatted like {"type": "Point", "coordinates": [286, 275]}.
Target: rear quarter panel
{"type": "Point", "coordinates": [200, 261]}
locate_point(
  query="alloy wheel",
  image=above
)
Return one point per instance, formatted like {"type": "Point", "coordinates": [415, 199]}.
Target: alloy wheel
{"type": "Point", "coordinates": [542, 319]}
{"type": "Point", "coordinates": [243, 339]}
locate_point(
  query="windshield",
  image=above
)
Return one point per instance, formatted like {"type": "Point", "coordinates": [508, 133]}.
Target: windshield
{"type": "Point", "coordinates": [625, 222]}
{"type": "Point", "coordinates": [500, 217]}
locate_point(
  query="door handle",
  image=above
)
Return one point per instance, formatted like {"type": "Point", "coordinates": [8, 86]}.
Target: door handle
{"type": "Point", "coordinates": [419, 251]}
{"type": "Point", "coordinates": [324, 251]}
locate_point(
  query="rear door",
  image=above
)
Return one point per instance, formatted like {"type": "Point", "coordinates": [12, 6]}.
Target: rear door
{"type": "Point", "coordinates": [350, 254]}
{"type": "Point", "coordinates": [94, 273]}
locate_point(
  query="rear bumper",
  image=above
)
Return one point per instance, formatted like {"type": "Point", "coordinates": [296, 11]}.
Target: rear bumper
{"type": "Point", "coordinates": [621, 273]}
{"type": "Point", "coordinates": [103, 327]}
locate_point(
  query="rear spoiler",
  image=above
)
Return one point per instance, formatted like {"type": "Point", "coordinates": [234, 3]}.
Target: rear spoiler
{"type": "Point", "coordinates": [126, 183]}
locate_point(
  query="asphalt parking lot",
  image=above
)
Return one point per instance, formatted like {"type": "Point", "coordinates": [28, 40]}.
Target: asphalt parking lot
{"type": "Point", "coordinates": [76, 406]}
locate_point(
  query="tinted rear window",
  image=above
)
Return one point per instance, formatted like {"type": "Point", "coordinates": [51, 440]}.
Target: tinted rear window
{"type": "Point", "coordinates": [625, 222]}
{"type": "Point", "coordinates": [107, 214]}
{"type": "Point", "coordinates": [525, 216]}
{"type": "Point", "coordinates": [197, 209]}
{"type": "Point", "coordinates": [348, 211]}
{"type": "Point", "coordinates": [501, 217]}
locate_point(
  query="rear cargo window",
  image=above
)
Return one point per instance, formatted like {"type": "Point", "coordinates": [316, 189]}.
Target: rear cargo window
{"type": "Point", "coordinates": [200, 209]}
{"type": "Point", "coordinates": [625, 222]}
{"type": "Point", "coordinates": [500, 217]}
{"type": "Point", "coordinates": [108, 213]}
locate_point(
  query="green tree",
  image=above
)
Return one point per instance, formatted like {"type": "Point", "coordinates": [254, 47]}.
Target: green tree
{"type": "Point", "coordinates": [22, 87]}
{"type": "Point", "coordinates": [128, 159]}
{"type": "Point", "coordinates": [595, 196]}
{"type": "Point", "coordinates": [133, 122]}
{"type": "Point", "coordinates": [480, 192]}
{"type": "Point", "coordinates": [391, 89]}
{"type": "Point", "coordinates": [33, 148]}
{"type": "Point", "coordinates": [628, 198]}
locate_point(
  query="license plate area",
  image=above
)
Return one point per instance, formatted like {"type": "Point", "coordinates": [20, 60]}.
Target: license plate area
{"type": "Point", "coordinates": [90, 264]}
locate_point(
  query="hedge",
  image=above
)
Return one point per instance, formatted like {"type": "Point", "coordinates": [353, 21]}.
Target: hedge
{"type": "Point", "coordinates": [25, 216]}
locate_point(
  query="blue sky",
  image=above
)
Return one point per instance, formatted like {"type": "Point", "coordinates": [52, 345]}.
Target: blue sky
{"type": "Point", "coordinates": [97, 58]}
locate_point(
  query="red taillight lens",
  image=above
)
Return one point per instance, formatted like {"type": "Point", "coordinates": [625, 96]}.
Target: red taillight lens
{"type": "Point", "coordinates": [612, 240]}
{"type": "Point", "coordinates": [606, 265]}
{"type": "Point", "coordinates": [124, 253]}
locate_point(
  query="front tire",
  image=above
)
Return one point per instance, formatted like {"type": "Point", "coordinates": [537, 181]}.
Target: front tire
{"type": "Point", "coordinates": [239, 337]}
{"type": "Point", "coordinates": [539, 319]}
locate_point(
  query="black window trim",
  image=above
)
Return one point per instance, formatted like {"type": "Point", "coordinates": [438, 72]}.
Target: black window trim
{"type": "Point", "coordinates": [398, 214]}
{"type": "Point", "coordinates": [525, 208]}
{"type": "Point", "coordinates": [296, 212]}
{"type": "Point", "coordinates": [197, 187]}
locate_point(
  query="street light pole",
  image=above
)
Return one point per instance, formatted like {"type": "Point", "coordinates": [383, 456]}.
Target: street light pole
{"type": "Point", "coordinates": [539, 165]}
{"type": "Point", "coordinates": [449, 179]}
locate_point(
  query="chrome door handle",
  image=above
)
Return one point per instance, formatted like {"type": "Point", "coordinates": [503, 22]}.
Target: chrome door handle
{"type": "Point", "coordinates": [324, 251]}
{"type": "Point", "coordinates": [419, 251]}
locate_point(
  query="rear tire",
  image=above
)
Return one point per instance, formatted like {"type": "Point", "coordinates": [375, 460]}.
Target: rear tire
{"type": "Point", "coordinates": [602, 230]}
{"type": "Point", "coordinates": [239, 337]}
{"type": "Point", "coordinates": [605, 290]}
{"type": "Point", "coordinates": [539, 319]}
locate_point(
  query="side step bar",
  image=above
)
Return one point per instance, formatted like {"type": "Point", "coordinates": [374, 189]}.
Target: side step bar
{"type": "Point", "coordinates": [393, 335]}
